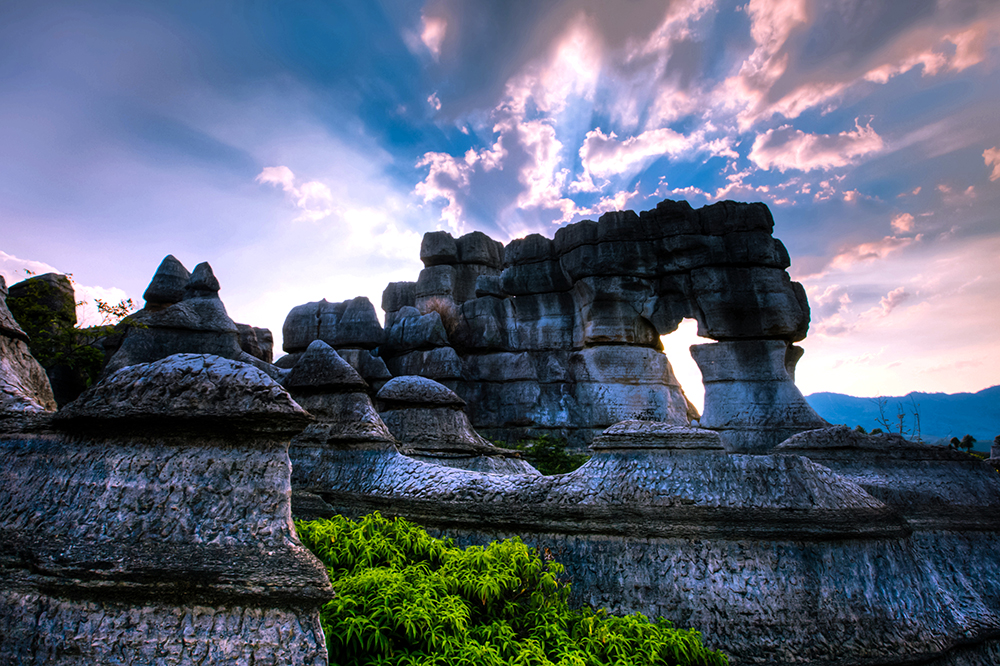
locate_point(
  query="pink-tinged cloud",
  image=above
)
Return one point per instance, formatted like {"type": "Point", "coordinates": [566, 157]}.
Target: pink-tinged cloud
{"type": "Point", "coordinates": [604, 155]}
{"type": "Point", "coordinates": [992, 158]}
{"type": "Point", "coordinates": [867, 252]}
{"type": "Point", "coordinates": [892, 300]}
{"type": "Point", "coordinates": [433, 34]}
{"type": "Point", "coordinates": [902, 223]}
{"type": "Point", "coordinates": [787, 148]}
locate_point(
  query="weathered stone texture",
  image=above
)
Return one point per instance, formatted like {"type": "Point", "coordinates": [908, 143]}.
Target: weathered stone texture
{"type": "Point", "coordinates": [154, 526]}
{"type": "Point", "coordinates": [24, 386]}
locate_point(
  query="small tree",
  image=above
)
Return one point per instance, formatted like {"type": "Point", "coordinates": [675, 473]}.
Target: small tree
{"type": "Point", "coordinates": [968, 442]}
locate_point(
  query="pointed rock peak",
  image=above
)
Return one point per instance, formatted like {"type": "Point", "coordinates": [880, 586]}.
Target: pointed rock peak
{"type": "Point", "coordinates": [167, 285]}
{"type": "Point", "coordinates": [202, 283]}
{"type": "Point", "coordinates": [414, 390]}
{"type": "Point", "coordinates": [321, 367]}
{"type": "Point", "coordinates": [3, 287]}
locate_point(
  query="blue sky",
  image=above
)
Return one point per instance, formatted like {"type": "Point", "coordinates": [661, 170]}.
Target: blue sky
{"type": "Point", "coordinates": [303, 148]}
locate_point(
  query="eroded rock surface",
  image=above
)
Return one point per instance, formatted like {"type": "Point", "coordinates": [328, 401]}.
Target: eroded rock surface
{"type": "Point", "coordinates": [153, 525]}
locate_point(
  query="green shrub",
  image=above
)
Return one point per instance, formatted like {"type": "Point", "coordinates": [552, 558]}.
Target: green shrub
{"type": "Point", "coordinates": [404, 597]}
{"type": "Point", "coordinates": [548, 455]}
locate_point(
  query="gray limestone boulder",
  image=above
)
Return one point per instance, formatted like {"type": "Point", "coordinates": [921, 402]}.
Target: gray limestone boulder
{"type": "Point", "coordinates": [348, 324]}
{"type": "Point", "coordinates": [466, 278]}
{"type": "Point", "coordinates": [331, 390]}
{"type": "Point", "coordinates": [478, 248]}
{"type": "Point", "coordinates": [616, 310]}
{"type": "Point", "coordinates": [371, 368]}
{"type": "Point", "coordinates": [531, 249]}
{"type": "Point", "coordinates": [438, 248]}
{"type": "Point", "coordinates": [750, 398]}
{"type": "Point", "coordinates": [489, 285]}
{"type": "Point", "coordinates": [748, 303]}
{"type": "Point", "coordinates": [435, 281]}
{"type": "Point", "coordinates": [540, 277]}
{"type": "Point", "coordinates": [407, 330]}
{"type": "Point", "coordinates": [655, 435]}
{"type": "Point", "coordinates": [399, 294]}
{"type": "Point", "coordinates": [158, 514]}
{"type": "Point", "coordinates": [486, 323]}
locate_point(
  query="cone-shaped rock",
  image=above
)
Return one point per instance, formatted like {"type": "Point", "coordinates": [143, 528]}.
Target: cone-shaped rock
{"type": "Point", "coordinates": [321, 367]}
{"type": "Point", "coordinates": [167, 285]}
{"type": "Point", "coordinates": [202, 283]}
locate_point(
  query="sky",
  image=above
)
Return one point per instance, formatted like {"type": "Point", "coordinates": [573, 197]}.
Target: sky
{"type": "Point", "coordinates": [304, 148]}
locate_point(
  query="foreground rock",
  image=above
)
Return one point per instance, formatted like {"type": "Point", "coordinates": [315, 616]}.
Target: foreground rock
{"type": "Point", "coordinates": [151, 524]}
{"type": "Point", "coordinates": [24, 386]}
{"type": "Point", "coordinates": [777, 560]}
{"type": "Point", "coordinates": [430, 424]}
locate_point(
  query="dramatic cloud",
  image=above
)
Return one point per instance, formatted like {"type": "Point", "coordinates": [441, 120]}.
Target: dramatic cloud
{"type": "Point", "coordinates": [433, 34]}
{"type": "Point", "coordinates": [787, 148]}
{"type": "Point", "coordinates": [868, 252]}
{"type": "Point", "coordinates": [992, 158]}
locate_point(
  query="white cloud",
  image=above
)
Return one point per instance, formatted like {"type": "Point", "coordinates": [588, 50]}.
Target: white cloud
{"type": "Point", "coordinates": [434, 101]}
{"type": "Point", "coordinates": [313, 197]}
{"type": "Point", "coordinates": [871, 251]}
{"type": "Point", "coordinates": [787, 148]}
{"type": "Point", "coordinates": [992, 158]}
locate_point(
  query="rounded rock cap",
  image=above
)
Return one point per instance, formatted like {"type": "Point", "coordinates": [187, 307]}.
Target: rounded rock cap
{"type": "Point", "coordinates": [635, 434]}
{"type": "Point", "coordinates": [321, 367]}
{"type": "Point", "coordinates": [201, 392]}
{"type": "Point", "coordinates": [167, 285]}
{"type": "Point", "coordinates": [415, 390]}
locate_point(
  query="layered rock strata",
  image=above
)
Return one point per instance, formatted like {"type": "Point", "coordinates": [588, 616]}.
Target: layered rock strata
{"type": "Point", "coordinates": [776, 559]}
{"type": "Point", "coordinates": [183, 314]}
{"type": "Point", "coordinates": [24, 386]}
{"type": "Point", "coordinates": [151, 524]}
{"type": "Point", "coordinates": [430, 424]}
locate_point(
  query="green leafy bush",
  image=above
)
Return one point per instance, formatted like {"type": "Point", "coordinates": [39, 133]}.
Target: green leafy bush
{"type": "Point", "coordinates": [548, 455]}
{"type": "Point", "coordinates": [404, 597]}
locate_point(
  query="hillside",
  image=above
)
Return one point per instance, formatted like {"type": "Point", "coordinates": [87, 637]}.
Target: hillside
{"type": "Point", "coordinates": [942, 415]}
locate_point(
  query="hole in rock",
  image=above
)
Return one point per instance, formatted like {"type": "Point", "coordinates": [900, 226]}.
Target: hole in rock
{"type": "Point", "coordinates": [676, 346]}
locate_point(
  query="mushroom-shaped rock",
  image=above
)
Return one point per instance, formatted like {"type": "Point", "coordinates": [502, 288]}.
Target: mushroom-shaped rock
{"type": "Point", "coordinates": [428, 420]}
{"type": "Point", "coordinates": [412, 390]}
{"type": "Point", "coordinates": [331, 390]}
{"type": "Point", "coordinates": [322, 368]}
{"type": "Point", "coordinates": [183, 392]}
{"type": "Point", "coordinates": [655, 435]}
{"type": "Point", "coordinates": [167, 285]}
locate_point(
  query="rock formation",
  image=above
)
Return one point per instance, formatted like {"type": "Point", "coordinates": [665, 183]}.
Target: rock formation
{"type": "Point", "coordinates": [24, 386]}
{"type": "Point", "coordinates": [350, 327]}
{"type": "Point", "coordinates": [151, 524]}
{"type": "Point", "coordinates": [430, 424]}
{"type": "Point", "coordinates": [563, 335]}
{"type": "Point", "coordinates": [184, 315]}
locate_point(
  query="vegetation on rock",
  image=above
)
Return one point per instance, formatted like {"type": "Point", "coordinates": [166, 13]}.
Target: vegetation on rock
{"type": "Point", "coordinates": [404, 597]}
{"type": "Point", "coordinates": [548, 454]}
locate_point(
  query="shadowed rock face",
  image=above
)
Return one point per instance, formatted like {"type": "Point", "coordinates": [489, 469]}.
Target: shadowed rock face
{"type": "Point", "coordinates": [24, 386]}
{"type": "Point", "coordinates": [154, 521]}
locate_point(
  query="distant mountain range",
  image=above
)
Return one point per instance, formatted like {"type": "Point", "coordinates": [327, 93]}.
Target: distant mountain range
{"type": "Point", "coordinates": [942, 415]}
